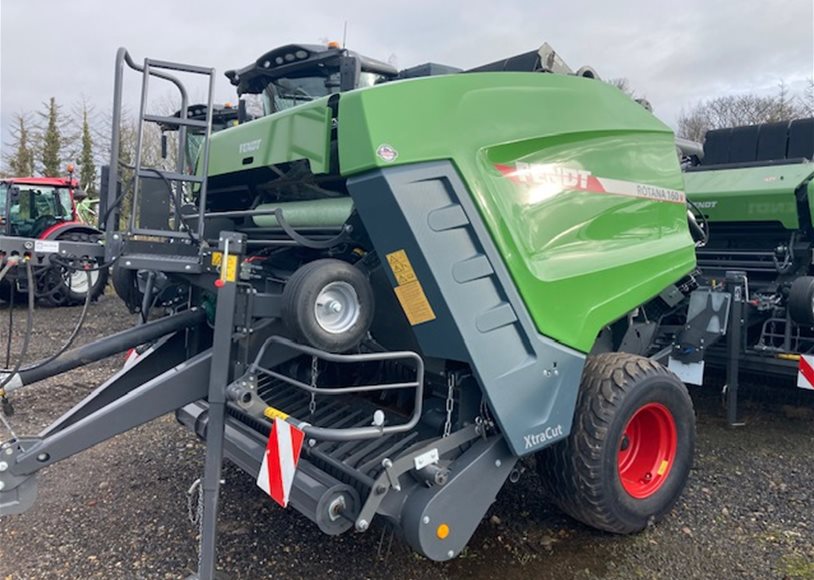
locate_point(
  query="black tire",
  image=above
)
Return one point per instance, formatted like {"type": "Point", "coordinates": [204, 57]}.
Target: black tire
{"type": "Point", "coordinates": [125, 283]}
{"type": "Point", "coordinates": [801, 300]}
{"type": "Point", "coordinates": [61, 290]}
{"type": "Point", "coordinates": [581, 474]}
{"type": "Point", "coordinates": [300, 298]}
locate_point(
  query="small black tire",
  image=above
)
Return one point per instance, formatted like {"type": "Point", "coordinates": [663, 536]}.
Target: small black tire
{"type": "Point", "coordinates": [583, 473]}
{"type": "Point", "coordinates": [301, 311]}
{"type": "Point", "coordinates": [801, 300]}
{"type": "Point", "coordinates": [125, 284]}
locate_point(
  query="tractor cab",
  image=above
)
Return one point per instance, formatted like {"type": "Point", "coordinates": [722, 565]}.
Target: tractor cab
{"type": "Point", "coordinates": [297, 73]}
{"type": "Point", "coordinates": [223, 117]}
{"type": "Point", "coordinates": [33, 205]}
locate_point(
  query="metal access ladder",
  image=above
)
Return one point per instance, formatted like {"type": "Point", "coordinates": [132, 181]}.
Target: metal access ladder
{"type": "Point", "coordinates": [177, 257]}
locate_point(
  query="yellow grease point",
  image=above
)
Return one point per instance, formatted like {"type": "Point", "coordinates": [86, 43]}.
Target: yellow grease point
{"type": "Point", "coordinates": [442, 532]}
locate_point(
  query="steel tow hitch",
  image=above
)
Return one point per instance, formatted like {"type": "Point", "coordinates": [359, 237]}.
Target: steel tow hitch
{"type": "Point", "coordinates": [17, 492]}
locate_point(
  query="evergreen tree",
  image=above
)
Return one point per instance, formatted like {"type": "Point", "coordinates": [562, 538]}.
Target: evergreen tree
{"type": "Point", "coordinates": [50, 156]}
{"type": "Point", "coordinates": [87, 172]}
{"type": "Point", "coordinates": [21, 162]}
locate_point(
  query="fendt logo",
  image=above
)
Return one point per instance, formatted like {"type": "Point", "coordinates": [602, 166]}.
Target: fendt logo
{"type": "Point", "coordinates": [554, 178]}
{"type": "Point", "coordinates": [547, 173]}
{"type": "Point", "coordinates": [705, 204]}
{"type": "Point", "coordinates": [249, 146]}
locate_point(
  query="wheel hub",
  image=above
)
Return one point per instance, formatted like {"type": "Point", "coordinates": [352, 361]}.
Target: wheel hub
{"type": "Point", "coordinates": [337, 307]}
{"type": "Point", "coordinates": [647, 450]}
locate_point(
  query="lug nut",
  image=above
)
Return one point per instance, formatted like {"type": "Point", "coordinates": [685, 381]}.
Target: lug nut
{"type": "Point", "coordinates": [3, 465]}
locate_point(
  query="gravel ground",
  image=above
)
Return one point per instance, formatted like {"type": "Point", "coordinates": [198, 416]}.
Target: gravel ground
{"type": "Point", "coordinates": [120, 510]}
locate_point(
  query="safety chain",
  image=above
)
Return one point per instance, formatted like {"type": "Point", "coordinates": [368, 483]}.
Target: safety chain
{"type": "Point", "coordinates": [195, 502]}
{"type": "Point", "coordinates": [450, 404]}
{"type": "Point", "coordinates": [312, 405]}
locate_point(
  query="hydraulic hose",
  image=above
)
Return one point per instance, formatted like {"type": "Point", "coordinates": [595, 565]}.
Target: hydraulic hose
{"type": "Point", "coordinates": [28, 331]}
{"type": "Point", "coordinates": [73, 335]}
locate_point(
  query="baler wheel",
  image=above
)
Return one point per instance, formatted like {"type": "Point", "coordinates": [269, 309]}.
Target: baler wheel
{"type": "Point", "coordinates": [328, 304]}
{"type": "Point", "coordinates": [801, 300]}
{"type": "Point", "coordinates": [629, 453]}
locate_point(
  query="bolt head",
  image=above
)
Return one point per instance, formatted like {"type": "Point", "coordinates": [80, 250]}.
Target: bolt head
{"type": "Point", "coordinates": [128, 263]}
{"type": "Point", "coordinates": [335, 306]}
{"type": "Point", "coordinates": [42, 457]}
{"type": "Point", "coordinates": [451, 554]}
{"type": "Point", "coordinates": [2, 485]}
{"type": "Point", "coordinates": [498, 463]}
{"type": "Point", "coordinates": [3, 466]}
{"type": "Point", "coordinates": [426, 519]}
{"type": "Point", "coordinates": [362, 525]}
{"type": "Point", "coordinates": [9, 451]}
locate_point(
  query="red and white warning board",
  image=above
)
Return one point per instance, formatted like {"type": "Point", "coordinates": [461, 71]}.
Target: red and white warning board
{"type": "Point", "coordinates": [805, 372]}
{"type": "Point", "coordinates": [280, 461]}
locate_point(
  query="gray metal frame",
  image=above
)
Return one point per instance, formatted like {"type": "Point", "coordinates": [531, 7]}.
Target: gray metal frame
{"type": "Point", "coordinates": [345, 434]}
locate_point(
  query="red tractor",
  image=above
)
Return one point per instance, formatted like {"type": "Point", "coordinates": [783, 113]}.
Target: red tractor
{"type": "Point", "coordinates": [44, 209]}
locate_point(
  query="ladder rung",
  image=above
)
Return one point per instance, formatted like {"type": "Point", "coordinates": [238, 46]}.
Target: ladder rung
{"type": "Point", "coordinates": [175, 121]}
{"type": "Point", "coordinates": [190, 68]}
{"type": "Point", "coordinates": [171, 176]}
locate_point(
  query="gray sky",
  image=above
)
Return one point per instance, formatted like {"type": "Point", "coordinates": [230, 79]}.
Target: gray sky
{"type": "Point", "coordinates": [675, 52]}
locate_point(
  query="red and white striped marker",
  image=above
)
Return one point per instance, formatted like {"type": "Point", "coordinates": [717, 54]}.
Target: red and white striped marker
{"type": "Point", "coordinates": [805, 372]}
{"type": "Point", "coordinates": [280, 461]}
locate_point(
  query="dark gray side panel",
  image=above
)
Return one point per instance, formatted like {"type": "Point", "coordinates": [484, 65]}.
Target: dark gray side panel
{"type": "Point", "coordinates": [529, 380]}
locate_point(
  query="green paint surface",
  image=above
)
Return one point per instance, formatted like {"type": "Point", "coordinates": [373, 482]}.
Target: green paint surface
{"type": "Point", "coordinates": [580, 259]}
{"type": "Point", "coordinates": [750, 194]}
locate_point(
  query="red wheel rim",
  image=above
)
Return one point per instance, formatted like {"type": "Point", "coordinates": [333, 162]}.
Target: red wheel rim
{"type": "Point", "coordinates": [647, 450]}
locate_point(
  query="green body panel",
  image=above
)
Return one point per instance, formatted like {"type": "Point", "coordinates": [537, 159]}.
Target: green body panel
{"type": "Point", "coordinates": [580, 259]}
{"type": "Point", "coordinates": [303, 132]}
{"type": "Point", "coordinates": [750, 194]}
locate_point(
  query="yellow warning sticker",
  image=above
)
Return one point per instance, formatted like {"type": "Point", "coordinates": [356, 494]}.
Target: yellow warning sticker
{"type": "Point", "coordinates": [228, 273]}
{"type": "Point", "coordinates": [663, 467]}
{"type": "Point", "coordinates": [273, 413]}
{"type": "Point", "coordinates": [409, 290]}
{"type": "Point", "coordinates": [414, 303]}
{"type": "Point", "coordinates": [217, 258]}
{"type": "Point", "coordinates": [401, 266]}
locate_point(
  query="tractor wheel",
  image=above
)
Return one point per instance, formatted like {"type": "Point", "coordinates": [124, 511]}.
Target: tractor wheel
{"type": "Point", "coordinates": [801, 300]}
{"type": "Point", "coordinates": [630, 450]}
{"type": "Point", "coordinates": [328, 304]}
{"type": "Point", "coordinates": [65, 287]}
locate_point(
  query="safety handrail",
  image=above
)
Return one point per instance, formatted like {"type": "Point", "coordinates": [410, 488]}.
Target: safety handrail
{"type": "Point", "coordinates": [350, 433]}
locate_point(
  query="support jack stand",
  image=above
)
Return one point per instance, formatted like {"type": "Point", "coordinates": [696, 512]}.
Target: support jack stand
{"type": "Point", "coordinates": [231, 245]}
{"type": "Point", "coordinates": [735, 280]}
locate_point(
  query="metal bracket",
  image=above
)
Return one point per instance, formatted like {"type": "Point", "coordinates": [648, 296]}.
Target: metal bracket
{"type": "Point", "coordinates": [395, 469]}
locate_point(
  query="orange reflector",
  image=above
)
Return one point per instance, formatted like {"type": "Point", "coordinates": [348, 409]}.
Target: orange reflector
{"type": "Point", "coordinates": [333, 44]}
{"type": "Point", "coordinates": [663, 467]}
{"type": "Point", "coordinates": [442, 532]}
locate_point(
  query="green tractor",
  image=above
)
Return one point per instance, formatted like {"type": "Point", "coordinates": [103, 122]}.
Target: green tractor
{"type": "Point", "coordinates": [396, 287]}
{"type": "Point", "coordinates": [753, 188]}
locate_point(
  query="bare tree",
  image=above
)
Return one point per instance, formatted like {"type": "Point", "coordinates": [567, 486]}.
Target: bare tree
{"type": "Point", "coordinates": [746, 109]}
{"type": "Point", "coordinates": [20, 161]}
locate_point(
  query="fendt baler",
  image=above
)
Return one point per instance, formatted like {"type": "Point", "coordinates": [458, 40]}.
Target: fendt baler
{"type": "Point", "coordinates": [754, 190]}
{"type": "Point", "coordinates": [431, 278]}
